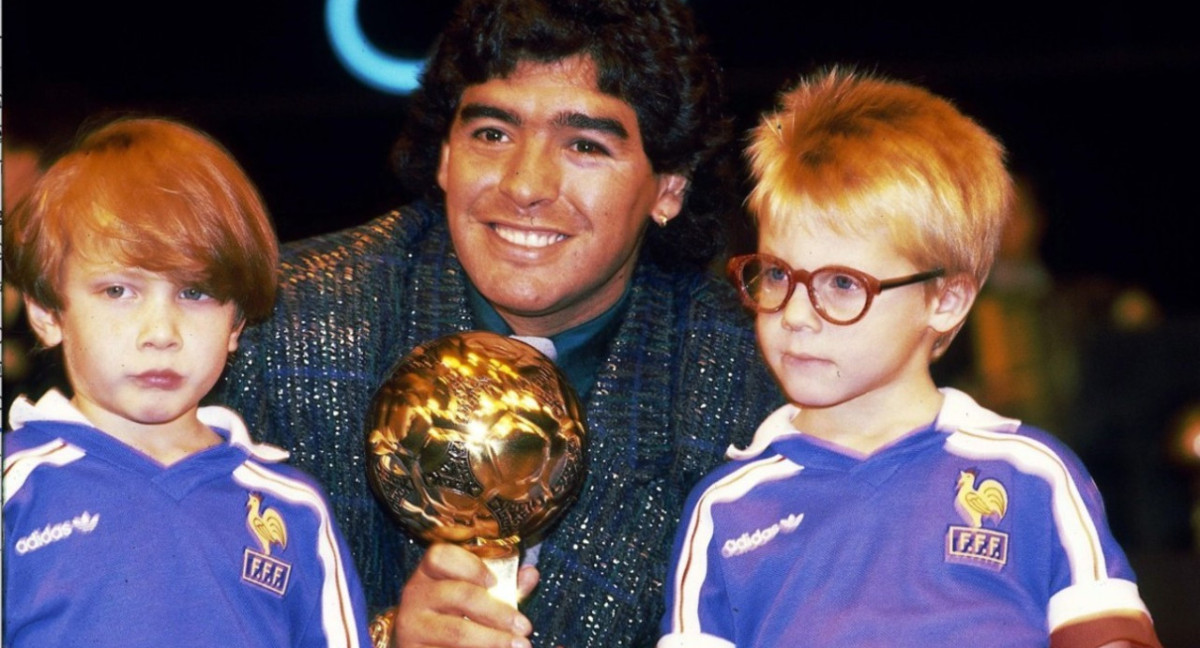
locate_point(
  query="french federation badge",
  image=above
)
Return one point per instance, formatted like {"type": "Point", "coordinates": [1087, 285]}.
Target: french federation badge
{"type": "Point", "coordinates": [259, 567]}
{"type": "Point", "coordinates": [973, 544]}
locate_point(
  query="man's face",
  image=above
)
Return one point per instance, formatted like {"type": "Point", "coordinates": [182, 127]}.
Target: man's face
{"type": "Point", "coordinates": [548, 192]}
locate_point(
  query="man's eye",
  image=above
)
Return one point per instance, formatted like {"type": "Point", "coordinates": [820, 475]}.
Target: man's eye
{"type": "Point", "coordinates": [589, 147]}
{"type": "Point", "coordinates": [489, 135]}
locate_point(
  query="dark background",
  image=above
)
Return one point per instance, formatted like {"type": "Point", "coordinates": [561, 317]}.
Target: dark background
{"type": "Point", "coordinates": [1095, 105]}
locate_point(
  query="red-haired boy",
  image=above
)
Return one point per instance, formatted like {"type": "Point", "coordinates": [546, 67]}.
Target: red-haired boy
{"type": "Point", "coordinates": [132, 515]}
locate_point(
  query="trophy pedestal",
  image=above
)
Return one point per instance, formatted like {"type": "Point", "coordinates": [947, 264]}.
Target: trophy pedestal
{"type": "Point", "coordinates": [505, 570]}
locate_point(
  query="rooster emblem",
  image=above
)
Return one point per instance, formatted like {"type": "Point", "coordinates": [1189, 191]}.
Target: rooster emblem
{"type": "Point", "coordinates": [267, 526]}
{"type": "Point", "coordinates": [987, 501]}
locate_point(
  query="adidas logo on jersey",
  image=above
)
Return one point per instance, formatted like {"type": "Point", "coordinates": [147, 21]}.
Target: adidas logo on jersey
{"type": "Point", "coordinates": [84, 523]}
{"type": "Point", "coordinates": [748, 542]}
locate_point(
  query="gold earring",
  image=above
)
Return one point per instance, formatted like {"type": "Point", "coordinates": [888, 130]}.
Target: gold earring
{"type": "Point", "coordinates": [660, 219]}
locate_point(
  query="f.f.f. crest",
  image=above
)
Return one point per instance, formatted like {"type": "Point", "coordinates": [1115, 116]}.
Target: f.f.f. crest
{"type": "Point", "coordinates": [988, 501]}
{"type": "Point", "coordinates": [267, 527]}
{"type": "Point", "coordinates": [973, 544]}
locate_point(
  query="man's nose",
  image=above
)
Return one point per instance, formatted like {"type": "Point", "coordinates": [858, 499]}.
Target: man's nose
{"type": "Point", "coordinates": [532, 174]}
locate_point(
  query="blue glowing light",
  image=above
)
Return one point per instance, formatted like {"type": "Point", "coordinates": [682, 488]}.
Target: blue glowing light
{"type": "Point", "coordinates": [366, 62]}
{"type": "Point", "coordinates": [369, 64]}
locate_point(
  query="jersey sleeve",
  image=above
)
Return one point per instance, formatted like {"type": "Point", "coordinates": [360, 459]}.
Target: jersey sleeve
{"type": "Point", "coordinates": [342, 607]}
{"type": "Point", "coordinates": [1095, 597]}
{"type": "Point", "coordinates": [698, 612]}
{"type": "Point", "coordinates": [333, 611]}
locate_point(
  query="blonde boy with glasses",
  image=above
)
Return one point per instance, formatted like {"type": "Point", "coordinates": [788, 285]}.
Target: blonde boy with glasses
{"type": "Point", "coordinates": [875, 509]}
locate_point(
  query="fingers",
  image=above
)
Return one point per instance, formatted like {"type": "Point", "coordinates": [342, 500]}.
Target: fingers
{"type": "Point", "coordinates": [451, 562]}
{"type": "Point", "coordinates": [527, 579]}
{"type": "Point", "coordinates": [446, 603]}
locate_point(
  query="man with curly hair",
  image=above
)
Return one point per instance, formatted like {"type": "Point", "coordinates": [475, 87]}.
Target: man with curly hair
{"type": "Point", "coordinates": [570, 155]}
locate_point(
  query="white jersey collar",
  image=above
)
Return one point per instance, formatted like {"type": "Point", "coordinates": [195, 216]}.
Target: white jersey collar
{"type": "Point", "coordinates": [53, 406]}
{"type": "Point", "coordinates": [959, 412]}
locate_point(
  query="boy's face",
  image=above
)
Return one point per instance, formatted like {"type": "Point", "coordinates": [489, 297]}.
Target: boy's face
{"type": "Point", "coordinates": [548, 191]}
{"type": "Point", "coordinates": [140, 349]}
{"type": "Point", "coordinates": [885, 354]}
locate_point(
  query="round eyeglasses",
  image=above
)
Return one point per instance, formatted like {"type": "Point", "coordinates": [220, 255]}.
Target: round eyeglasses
{"type": "Point", "coordinates": [839, 294]}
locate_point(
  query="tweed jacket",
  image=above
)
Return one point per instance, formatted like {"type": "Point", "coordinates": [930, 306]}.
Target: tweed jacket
{"type": "Point", "coordinates": [682, 380]}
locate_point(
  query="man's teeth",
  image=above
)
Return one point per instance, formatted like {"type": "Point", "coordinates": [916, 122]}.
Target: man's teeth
{"type": "Point", "coordinates": [527, 238]}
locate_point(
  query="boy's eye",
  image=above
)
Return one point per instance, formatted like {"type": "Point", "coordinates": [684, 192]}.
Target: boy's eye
{"type": "Point", "coordinates": [115, 292]}
{"type": "Point", "coordinates": [843, 282]}
{"type": "Point", "coordinates": [193, 294]}
{"type": "Point", "coordinates": [775, 274]}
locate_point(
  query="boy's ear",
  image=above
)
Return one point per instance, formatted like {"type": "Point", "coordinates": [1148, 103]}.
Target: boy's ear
{"type": "Point", "coordinates": [951, 304]}
{"type": "Point", "coordinates": [44, 322]}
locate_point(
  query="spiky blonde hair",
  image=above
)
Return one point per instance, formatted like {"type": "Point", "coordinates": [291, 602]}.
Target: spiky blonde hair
{"type": "Point", "coordinates": [855, 153]}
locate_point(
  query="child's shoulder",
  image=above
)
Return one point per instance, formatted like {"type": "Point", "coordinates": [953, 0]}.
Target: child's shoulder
{"type": "Point", "coordinates": [236, 433]}
{"type": "Point", "coordinates": [30, 437]}
{"type": "Point", "coordinates": [266, 464]}
{"type": "Point", "coordinates": [36, 424]}
{"type": "Point", "coordinates": [975, 430]}
{"type": "Point", "coordinates": [756, 463]}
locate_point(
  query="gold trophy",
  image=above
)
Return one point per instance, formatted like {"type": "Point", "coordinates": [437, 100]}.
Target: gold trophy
{"type": "Point", "coordinates": [476, 439]}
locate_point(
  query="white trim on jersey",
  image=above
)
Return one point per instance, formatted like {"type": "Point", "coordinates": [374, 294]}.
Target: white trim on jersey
{"type": "Point", "coordinates": [692, 570]}
{"type": "Point", "coordinates": [53, 406]}
{"type": "Point", "coordinates": [227, 419]}
{"type": "Point", "coordinates": [337, 610]}
{"type": "Point", "coordinates": [1091, 591]}
{"type": "Point", "coordinates": [1080, 540]}
{"type": "Point", "coordinates": [19, 465]}
{"type": "Point", "coordinates": [777, 425]}
{"type": "Point", "coordinates": [1081, 602]}
{"type": "Point", "coordinates": [693, 640]}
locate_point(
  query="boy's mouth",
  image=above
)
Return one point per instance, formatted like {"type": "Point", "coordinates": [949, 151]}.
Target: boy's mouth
{"type": "Point", "coordinates": [164, 379]}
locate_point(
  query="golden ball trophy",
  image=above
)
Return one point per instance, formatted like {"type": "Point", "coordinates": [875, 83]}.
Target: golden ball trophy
{"type": "Point", "coordinates": [475, 439]}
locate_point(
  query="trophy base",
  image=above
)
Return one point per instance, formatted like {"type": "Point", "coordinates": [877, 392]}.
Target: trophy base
{"type": "Point", "coordinates": [504, 568]}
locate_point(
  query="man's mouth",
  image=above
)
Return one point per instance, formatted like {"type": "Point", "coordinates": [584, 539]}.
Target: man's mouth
{"type": "Point", "coordinates": [527, 238]}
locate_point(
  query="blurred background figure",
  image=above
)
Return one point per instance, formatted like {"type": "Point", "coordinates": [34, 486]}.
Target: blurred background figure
{"type": "Point", "coordinates": [1097, 361]}
{"type": "Point", "coordinates": [1101, 362]}
{"type": "Point", "coordinates": [1185, 449]}
{"type": "Point", "coordinates": [22, 163]}
{"type": "Point", "coordinates": [1024, 364]}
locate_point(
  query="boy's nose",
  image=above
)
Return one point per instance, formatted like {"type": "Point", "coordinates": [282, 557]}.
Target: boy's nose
{"type": "Point", "coordinates": [799, 311]}
{"type": "Point", "coordinates": [159, 326]}
{"type": "Point", "coordinates": [531, 174]}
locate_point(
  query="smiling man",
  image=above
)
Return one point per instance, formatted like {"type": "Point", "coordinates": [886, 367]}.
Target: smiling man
{"type": "Point", "coordinates": [548, 185]}
{"type": "Point", "coordinates": [568, 154]}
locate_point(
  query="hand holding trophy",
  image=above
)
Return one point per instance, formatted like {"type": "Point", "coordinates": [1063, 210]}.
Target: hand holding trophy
{"type": "Point", "coordinates": [476, 439]}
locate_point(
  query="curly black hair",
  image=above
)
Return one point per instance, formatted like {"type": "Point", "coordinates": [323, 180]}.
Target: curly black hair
{"type": "Point", "coordinates": [647, 53]}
